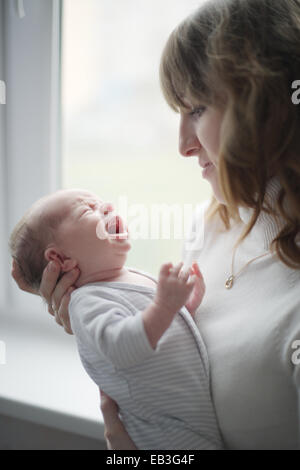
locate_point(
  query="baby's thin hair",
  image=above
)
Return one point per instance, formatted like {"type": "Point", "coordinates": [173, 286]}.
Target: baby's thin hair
{"type": "Point", "coordinates": [28, 241]}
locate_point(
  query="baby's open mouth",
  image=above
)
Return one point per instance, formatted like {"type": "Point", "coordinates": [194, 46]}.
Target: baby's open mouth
{"type": "Point", "coordinates": [116, 228]}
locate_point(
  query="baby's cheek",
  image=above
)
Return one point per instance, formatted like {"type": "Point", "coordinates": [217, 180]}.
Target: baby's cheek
{"type": "Point", "coordinates": [100, 230]}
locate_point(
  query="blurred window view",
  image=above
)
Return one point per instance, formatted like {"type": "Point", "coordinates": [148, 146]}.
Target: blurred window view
{"type": "Point", "coordinates": [119, 138]}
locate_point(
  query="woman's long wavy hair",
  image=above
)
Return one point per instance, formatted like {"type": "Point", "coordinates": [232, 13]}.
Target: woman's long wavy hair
{"type": "Point", "coordinates": [242, 57]}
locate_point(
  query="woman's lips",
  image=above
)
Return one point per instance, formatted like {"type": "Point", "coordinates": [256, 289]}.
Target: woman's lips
{"type": "Point", "coordinates": [207, 170]}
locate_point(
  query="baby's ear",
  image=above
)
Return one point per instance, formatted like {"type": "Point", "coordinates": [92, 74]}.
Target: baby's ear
{"type": "Point", "coordinates": [66, 264]}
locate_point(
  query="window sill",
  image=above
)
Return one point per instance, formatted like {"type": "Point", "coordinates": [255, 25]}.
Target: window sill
{"type": "Point", "coordinates": [43, 381]}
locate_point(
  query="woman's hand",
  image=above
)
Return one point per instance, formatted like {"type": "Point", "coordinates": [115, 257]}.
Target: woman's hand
{"type": "Point", "coordinates": [117, 438]}
{"type": "Point", "coordinates": [55, 294]}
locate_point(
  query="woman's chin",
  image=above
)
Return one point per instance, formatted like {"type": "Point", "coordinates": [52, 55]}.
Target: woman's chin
{"type": "Point", "coordinates": [217, 191]}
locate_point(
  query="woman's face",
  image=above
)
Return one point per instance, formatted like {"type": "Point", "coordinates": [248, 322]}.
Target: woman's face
{"type": "Point", "coordinates": [199, 136]}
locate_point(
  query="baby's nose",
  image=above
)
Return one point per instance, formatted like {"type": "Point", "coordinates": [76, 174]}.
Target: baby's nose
{"type": "Point", "coordinates": [106, 207]}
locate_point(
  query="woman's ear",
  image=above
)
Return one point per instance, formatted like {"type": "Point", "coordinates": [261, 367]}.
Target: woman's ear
{"type": "Point", "coordinates": [53, 254]}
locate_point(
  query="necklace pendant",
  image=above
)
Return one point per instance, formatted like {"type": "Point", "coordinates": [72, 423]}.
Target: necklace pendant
{"type": "Point", "coordinates": [229, 282]}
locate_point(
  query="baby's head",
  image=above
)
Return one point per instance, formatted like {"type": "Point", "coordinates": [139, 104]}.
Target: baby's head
{"type": "Point", "coordinates": [72, 228]}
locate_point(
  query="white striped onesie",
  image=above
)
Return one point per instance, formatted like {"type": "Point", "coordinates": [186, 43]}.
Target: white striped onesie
{"type": "Point", "coordinates": [163, 394]}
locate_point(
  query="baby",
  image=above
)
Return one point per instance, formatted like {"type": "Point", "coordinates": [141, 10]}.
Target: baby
{"type": "Point", "coordinates": [136, 337]}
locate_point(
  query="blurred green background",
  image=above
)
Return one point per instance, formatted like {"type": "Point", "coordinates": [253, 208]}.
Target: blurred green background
{"type": "Point", "coordinates": [119, 136]}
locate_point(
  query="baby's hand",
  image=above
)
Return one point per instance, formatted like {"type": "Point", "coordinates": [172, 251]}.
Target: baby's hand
{"type": "Point", "coordinates": [174, 288]}
{"type": "Point", "coordinates": [198, 291]}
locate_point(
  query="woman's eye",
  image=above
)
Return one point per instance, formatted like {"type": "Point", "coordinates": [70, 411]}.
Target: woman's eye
{"type": "Point", "coordinates": [197, 112]}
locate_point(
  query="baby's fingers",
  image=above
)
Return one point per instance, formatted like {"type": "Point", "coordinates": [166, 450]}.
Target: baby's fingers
{"type": "Point", "coordinates": [184, 274]}
{"type": "Point", "coordinates": [165, 269]}
{"type": "Point", "coordinates": [192, 280]}
{"type": "Point", "coordinates": [196, 269]}
{"type": "Point", "coordinates": [175, 271]}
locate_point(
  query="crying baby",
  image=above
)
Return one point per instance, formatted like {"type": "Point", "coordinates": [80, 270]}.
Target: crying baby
{"type": "Point", "coordinates": [136, 335]}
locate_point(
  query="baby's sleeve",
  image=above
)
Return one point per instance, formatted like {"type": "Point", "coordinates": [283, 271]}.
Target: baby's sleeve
{"type": "Point", "coordinates": [110, 327]}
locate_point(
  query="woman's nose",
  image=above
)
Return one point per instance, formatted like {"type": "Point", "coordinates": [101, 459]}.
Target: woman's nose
{"type": "Point", "coordinates": [189, 144]}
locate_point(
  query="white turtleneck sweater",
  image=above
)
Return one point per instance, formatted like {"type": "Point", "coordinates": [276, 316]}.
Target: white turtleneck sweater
{"type": "Point", "coordinates": [252, 333]}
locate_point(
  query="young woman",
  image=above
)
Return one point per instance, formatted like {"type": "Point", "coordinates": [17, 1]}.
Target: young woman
{"type": "Point", "coordinates": [228, 70]}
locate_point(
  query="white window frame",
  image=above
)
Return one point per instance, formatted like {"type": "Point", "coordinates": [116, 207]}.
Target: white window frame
{"type": "Point", "coordinates": [31, 161]}
{"type": "Point", "coordinates": [3, 221]}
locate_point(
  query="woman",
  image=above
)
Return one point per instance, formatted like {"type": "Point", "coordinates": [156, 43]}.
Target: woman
{"type": "Point", "coordinates": [228, 70]}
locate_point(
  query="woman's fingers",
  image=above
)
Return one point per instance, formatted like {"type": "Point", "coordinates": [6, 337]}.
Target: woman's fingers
{"type": "Point", "coordinates": [67, 281]}
{"type": "Point", "coordinates": [63, 312]}
{"type": "Point", "coordinates": [115, 433]}
{"type": "Point", "coordinates": [49, 279]}
{"type": "Point", "coordinates": [109, 410]}
{"type": "Point", "coordinates": [57, 293]}
{"type": "Point", "coordinates": [53, 291]}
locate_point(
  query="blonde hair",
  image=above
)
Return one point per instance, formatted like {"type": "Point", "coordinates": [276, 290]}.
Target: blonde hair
{"type": "Point", "coordinates": [242, 56]}
{"type": "Point", "coordinates": [28, 241]}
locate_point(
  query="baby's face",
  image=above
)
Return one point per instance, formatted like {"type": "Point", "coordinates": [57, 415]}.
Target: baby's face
{"type": "Point", "coordinates": [91, 234]}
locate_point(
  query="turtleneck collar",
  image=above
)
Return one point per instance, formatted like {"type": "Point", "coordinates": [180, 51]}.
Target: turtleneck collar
{"type": "Point", "coordinates": [267, 226]}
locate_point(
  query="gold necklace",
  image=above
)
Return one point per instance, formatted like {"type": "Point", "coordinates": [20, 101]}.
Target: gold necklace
{"type": "Point", "coordinates": [229, 282]}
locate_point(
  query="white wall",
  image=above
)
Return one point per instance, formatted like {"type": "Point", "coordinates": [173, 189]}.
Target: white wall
{"type": "Point", "coordinates": [17, 434]}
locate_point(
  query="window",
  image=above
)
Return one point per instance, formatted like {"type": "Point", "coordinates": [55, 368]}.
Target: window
{"type": "Point", "coordinates": [31, 159]}
{"type": "Point", "coordinates": [3, 263]}
{"type": "Point", "coordinates": [119, 136]}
